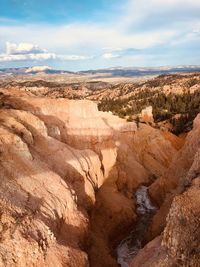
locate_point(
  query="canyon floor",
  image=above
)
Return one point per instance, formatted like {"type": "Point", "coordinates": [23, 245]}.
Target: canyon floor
{"type": "Point", "coordinates": [70, 174]}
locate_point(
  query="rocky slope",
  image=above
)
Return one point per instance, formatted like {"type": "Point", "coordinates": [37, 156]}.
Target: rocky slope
{"type": "Point", "coordinates": [98, 90]}
{"type": "Point", "coordinates": [68, 174]}
{"type": "Point", "coordinates": [177, 222]}
{"type": "Point", "coordinates": [179, 244]}
{"type": "Point", "coordinates": [173, 97]}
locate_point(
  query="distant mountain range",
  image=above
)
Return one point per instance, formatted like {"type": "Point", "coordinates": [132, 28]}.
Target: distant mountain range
{"type": "Point", "coordinates": [111, 72]}
{"type": "Point", "coordinates": [134, 71]}
{"type": "Point", "coordinates": [32, 70]}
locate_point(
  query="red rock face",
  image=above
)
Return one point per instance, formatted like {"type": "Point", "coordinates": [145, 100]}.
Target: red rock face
{"type": "Point", "coordinates": [179, 244]}
{"type": "Point", "coordinates": [182, 234]}
{"type": "Point", "coordinates": [179, 212]}
{"type": "Point", "coordinates": [67, 176]}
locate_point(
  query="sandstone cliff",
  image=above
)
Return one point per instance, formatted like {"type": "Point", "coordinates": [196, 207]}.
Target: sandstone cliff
{"type": "Point", "coordinates": [177, 192]}
{"type": "Point", "coordinates": [179, 244]}
{"type": "Point", "coordinates": [68, 174]}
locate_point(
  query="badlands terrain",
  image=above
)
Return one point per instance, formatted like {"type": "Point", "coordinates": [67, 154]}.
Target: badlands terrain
{"type": "Point", "coordinates": [99, 173]}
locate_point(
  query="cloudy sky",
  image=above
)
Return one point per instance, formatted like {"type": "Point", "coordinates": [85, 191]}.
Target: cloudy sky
{"type": "Point", "coordinates": [90, 34]}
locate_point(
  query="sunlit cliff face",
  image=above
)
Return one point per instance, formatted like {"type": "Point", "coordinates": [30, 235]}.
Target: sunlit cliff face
{"type": "Point", "coordinates": [84, 183]}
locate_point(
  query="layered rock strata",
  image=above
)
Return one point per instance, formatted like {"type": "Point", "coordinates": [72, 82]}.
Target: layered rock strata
{"type": "Point", "coordinates": [68, 173]}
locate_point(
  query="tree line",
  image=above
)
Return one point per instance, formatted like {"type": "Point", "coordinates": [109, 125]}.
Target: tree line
{"type": "Point", "coordinates": [164, 106]}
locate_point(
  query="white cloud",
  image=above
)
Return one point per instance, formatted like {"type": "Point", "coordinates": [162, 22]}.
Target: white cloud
{"type": "Point", "coordinates": [170, 11]}
{"type": "Point", "coordinates": [90, 36]}
{"type": "Point", "coordinates": [110, 56]}
{"type": "Point", "coordinates": [112, 49]}
{"type": "Point", "coordinates": [23, 49]}
{"type": "Point", "coordinates": [103, 36]}
{"type": "Point", "coordinates": [196, 31]}
{"type": "Point", "coordinates": [74, 57]}
{"type": "Point", "coordinates": [31, 52]}
{"type": "Point", "coordinates": [27, 57]}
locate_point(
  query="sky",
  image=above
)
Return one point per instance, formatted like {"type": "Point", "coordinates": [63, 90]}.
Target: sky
{"type": "Point", "coordinates": [94, 34]}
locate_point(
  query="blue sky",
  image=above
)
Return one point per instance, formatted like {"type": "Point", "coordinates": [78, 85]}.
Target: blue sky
{"type": "Point", "coordinates": [88, 34]}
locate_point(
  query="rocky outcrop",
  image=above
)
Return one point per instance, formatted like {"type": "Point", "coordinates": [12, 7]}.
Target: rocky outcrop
{"type": "Point", "coordinates": [182, 233]}
{"type": "Point", "coordinates": [178, 172]}
{"type": "Point", "coordinates": [178, 216]}
{"type": "Point", "coordinates": [68, 173]}
{"type": "Point", "coordinates": [150, 255]}
{"type": "Point", "coordinates": [41, 223]}
{"type": "Point", "coordinates": [179, 244]}
{"type": "Point", "coordinates": [184, 167]}
{"type": "Point", "coordinates": [147, 114]}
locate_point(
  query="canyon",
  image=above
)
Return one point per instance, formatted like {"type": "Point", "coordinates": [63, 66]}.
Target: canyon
{"type": "Point", "coordinates": [70, 176]}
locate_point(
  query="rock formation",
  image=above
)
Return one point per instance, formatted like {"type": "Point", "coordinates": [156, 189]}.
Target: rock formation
{"type": "Point", "coordinates": [177, 194]}
{"type": "Point", "coordinates": [147, 114]}
{"type": "Point", "coordinates": [179, 244]}
{"type": "Point", "coordinates": [68, 174]}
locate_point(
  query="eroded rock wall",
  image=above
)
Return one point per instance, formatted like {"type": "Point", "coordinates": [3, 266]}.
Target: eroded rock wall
{"type": "Point", "coordinates": [179, 243]}
{"type": "Point", "coordinates": [179, 215]}
{"type": "Point", "coordinates": [68, 173]}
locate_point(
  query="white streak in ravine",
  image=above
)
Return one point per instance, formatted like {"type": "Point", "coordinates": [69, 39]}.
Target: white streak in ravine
{"type": "Point", "coordinates": [130, 246]}
{"type": "Point", "coordinates": [143, 201]}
